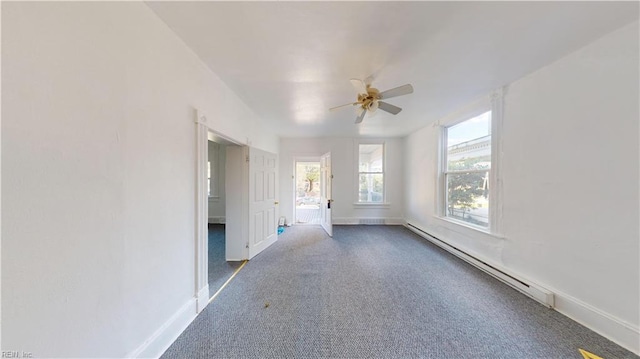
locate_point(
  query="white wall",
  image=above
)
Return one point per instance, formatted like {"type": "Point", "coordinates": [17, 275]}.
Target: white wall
{"type": "Point", "coordinates": [344, 167]}
{"type": "Point", "coordinates": [98, 166]}
{"type": "Point", "coordinates": [570, 174]}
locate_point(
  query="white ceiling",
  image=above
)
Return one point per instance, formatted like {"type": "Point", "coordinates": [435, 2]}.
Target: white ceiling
{"type": "Point", "coordinates": [291, 61]}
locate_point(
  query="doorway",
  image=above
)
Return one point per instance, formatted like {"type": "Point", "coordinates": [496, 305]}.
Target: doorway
{"type": "Point", "coordinates": [241, 164]}
{"type": "Point", "coordinates": [307, 192]}
{"type": "Point", "coordinates": [219, 269]}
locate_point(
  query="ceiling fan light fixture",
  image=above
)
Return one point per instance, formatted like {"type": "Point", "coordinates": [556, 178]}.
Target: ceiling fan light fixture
{"type": "Point", "coordinates": [368, 99]}
{"type": "Point", "coordinates": [373, 106]}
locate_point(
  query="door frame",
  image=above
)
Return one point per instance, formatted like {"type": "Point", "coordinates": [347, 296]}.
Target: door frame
{"type": "Point", "coordinates": [201, 280]}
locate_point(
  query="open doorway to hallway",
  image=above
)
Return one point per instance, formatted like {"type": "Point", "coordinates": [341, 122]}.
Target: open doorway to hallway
{"type": "Point", "coordinates": [219, 269]}
{"type": "Point", "coordinates": [307, 192]}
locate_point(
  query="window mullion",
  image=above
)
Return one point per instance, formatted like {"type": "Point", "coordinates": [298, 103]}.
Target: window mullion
{"type": "Point", "coordinates": [479, 170]}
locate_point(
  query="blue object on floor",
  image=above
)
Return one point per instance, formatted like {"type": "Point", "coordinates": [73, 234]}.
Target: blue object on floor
{"type": "Point", "coordinates": [280, 230]}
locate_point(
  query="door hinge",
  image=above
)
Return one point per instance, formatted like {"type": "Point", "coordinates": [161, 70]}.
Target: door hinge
{"type": "Point", "coordinates": [248, 161]}
{"type": "Point", "coordinates": [247, 246]}
{"type": "Point", "coordinates": [331, 176]}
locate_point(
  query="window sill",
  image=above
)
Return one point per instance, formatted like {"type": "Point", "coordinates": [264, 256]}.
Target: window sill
{"type": "Point", "coordinates": [471, 227]}
{"type": "Point", "coordinates": [371, 205]}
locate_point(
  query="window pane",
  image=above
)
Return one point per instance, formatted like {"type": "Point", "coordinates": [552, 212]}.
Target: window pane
{"type": "Point", "coordinates": [370, 158]}
{"type": "Point", "coordinates": [370, 187]}
{"type": "Point", "coordinates": [468, 197]}
{"type": "Point", "coordinates": [469, 144]}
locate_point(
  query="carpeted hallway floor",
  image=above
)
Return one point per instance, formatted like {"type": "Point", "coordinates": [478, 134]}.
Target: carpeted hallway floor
{"type": "Point", "coordinates": [219, 269]}
{"type": "Point", "coordinates": [376, 292]}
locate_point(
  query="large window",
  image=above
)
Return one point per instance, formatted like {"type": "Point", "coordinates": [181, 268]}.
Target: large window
{"type": "Point", "coordinates": [371, 173]}
{"type": "Point", "coordinates": [466, 170]}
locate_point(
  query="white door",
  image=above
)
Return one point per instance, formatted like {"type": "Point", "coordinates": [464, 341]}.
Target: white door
{"type": "Point", "coordinates": [236, 204]}
{"type": "Point", "coordinates": [263, 203]}
{"type": "Point", "coordinates": [325, 193]}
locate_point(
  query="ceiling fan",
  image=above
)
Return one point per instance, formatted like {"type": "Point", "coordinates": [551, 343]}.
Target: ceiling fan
{"type": "Point", "coordinates": [369, 99]}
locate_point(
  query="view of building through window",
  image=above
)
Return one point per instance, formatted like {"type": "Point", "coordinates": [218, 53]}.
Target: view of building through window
{"type": "Point", "coordinates": [371, 173]}
{"type": "Point", "coordinates": [468, 162]}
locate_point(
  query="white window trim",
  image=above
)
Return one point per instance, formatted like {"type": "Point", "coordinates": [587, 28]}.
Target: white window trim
{"type": "Point", "coordinates": [356, 181]}
{"type": "Point", "coordinates": [494, 103]}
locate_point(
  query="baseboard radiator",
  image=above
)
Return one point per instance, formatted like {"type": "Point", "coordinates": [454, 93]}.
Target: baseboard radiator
{"type": "Point", "coordinates": [531, 290]}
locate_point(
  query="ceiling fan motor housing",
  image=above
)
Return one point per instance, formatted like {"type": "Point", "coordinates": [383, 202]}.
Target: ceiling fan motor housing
{"type": "Point", "coordinates": [370, 99]}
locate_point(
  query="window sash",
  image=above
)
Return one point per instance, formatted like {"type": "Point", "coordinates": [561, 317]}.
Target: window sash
{"type": "Point", "coordinates": [381, 173]}
{"type": "Point", "coordinates": [446, 173]}
{"type": "Point", "coordinates": [488, 169]}
{"type": "Point", "coordinates": [372, 196]}
{"type": "Point", "coordinates": [475, 217]}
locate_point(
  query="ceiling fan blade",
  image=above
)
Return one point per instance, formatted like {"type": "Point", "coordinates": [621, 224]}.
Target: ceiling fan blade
{"type": "Point", "coordinates": [389, 107]}
{"type": "Point", "coordinates": [361, 116]}
{"type": "Point", "coordinates": [341, 106]}
{"type": "Point", "coordinates": [369, 80]}
{"type": "Point", "coordinates": [398, 91]}
{"type": "Point", "coordinates": [360, 86]}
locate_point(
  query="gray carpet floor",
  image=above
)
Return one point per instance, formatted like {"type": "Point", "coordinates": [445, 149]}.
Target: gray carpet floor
{"type": "Point", "coordinates": [219, 269]}
{"type": "Point", "coordinates": [376, 292]}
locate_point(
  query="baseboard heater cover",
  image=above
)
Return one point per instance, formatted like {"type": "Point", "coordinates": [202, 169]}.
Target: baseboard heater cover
{"type": "Point", "coordinates": [531, 290]}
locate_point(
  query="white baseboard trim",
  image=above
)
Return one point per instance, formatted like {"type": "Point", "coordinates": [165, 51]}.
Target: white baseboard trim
{"type": "Point", "coordinates": [615, 329]}
{"type": "Point", "coordinates": [203, 298]}
{"type": "Point", "coordinates": [162, 338]}
{"type": "Point", "coordinates": [217, 220]}
{"type": "Point", "coordinates": [376, 221]}
{"type": "Point", "coordinates": [618, 331]}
